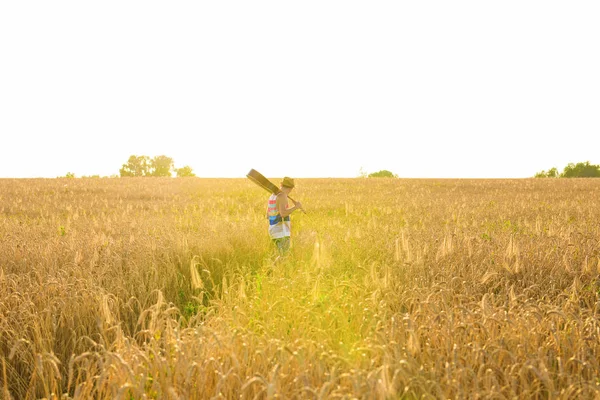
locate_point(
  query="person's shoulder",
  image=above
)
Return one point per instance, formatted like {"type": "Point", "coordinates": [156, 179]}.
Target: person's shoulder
{"type": "Point", "coordinates": [281, 195]}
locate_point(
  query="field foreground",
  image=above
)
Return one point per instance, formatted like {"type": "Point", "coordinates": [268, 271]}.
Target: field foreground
{"type": "Point", "coordinates": [164, 288]}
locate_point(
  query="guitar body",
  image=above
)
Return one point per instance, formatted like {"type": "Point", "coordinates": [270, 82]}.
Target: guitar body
{"type": "Point", "coordinates": [263, 182]}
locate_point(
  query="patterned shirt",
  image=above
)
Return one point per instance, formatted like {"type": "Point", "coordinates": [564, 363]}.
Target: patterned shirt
{"type": "Point", "coordinates": [278, 227]}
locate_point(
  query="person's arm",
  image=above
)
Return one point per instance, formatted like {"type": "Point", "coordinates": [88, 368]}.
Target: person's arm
{"type": "Point", "coordinates": [282, 205]}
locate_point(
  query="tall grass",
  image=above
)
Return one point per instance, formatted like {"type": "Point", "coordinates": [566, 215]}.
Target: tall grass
{"type": "Point", "coordinates": [165, 288]}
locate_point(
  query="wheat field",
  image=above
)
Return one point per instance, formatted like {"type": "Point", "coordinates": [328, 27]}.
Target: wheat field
{"type": "Point", "coordinates": [139, 288]}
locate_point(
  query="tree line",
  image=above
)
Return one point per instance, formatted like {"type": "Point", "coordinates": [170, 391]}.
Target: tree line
{"type": "Point", "coordinates": [579, 170]}
{"type": "Point", "coordinates": [157, 166]}
{"type": "Point", "coordinates": [384, 173]}
{"type": "Point", "coordinates": [144, 166]}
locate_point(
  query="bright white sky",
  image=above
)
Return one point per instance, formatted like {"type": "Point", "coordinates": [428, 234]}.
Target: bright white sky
{"type": "Point", "coordinates": [300, 88]}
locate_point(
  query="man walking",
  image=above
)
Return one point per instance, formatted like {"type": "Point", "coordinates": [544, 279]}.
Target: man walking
{"type": "Point", "coordinates": [279, 213]}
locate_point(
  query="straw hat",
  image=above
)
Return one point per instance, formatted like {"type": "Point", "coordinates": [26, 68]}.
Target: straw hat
{"type": "Point", "coordinates": [287, 182]}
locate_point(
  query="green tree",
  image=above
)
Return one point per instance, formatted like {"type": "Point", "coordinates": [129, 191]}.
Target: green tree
{"type": "Point", "coordinates": [136, 166]}
{"type": "Point", "coordinates": [384, 173]}
{"type": "Point", "coordinates": [162, 166]}
{"type": "Point", "coordinates": [551, 173]}
{"type": "Point", "coordinates": [581, 170]}
{"type": "Point", "coordinates": [185, 172]}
